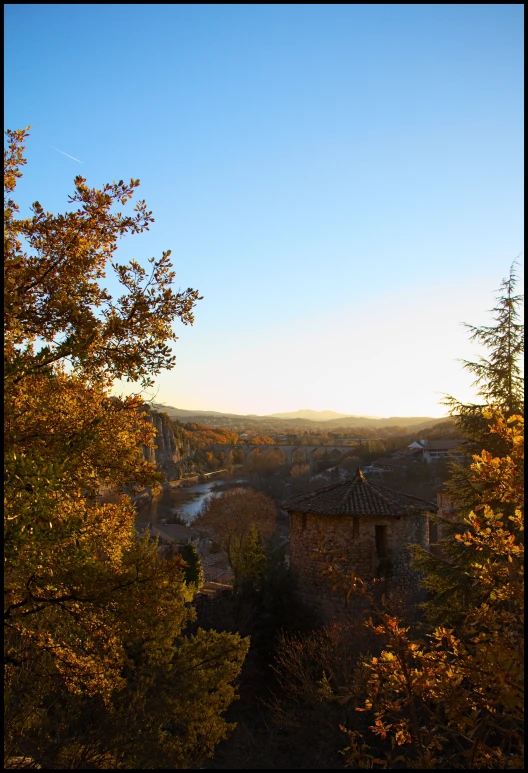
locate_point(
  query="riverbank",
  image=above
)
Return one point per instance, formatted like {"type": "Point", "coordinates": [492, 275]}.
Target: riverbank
{"type": "Point", "coordinates": [178, 498]}
{"type": "Point", "coordinates": [182, 500]}
{"type": "Point", "coordinates": [150, 492]}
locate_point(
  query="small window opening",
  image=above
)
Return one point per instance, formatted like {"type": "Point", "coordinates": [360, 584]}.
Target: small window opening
{"type": "Point", "coordinates": [303, 521]}
{"type": "Point", "coordinates": [355, 528]}
{"type": "Point", "coordinates": [381, 541]}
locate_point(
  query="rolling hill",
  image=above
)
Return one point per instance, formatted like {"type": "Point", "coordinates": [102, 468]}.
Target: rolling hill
{"type": "Point", "coordinates": [303, 418]}
{"type": "Point", "coordinates": [306, 413]}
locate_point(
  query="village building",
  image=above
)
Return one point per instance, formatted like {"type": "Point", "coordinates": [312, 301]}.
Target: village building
{"type": "Point", "coordinates": [368, 525]}
{"type": "Point", "coordinates": [174, 534]}
{"type": "Point", "coordinates": [331, 475]}
{"type": "Point", "coordinates": [432, 450]}
{"type": "Point", "coordinates": [375, 471]}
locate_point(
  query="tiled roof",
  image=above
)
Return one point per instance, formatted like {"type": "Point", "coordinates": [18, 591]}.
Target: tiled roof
{"type": "Point", "coordinates": [442, 445]}
{"type": "Point", "coordinates": [437, 445]}
{"type": "Point", "coordinates": [357, 497]}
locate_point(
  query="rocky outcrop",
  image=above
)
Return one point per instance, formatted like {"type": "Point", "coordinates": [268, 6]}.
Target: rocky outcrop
{"type": "Point", "coordinates": [172, 447]}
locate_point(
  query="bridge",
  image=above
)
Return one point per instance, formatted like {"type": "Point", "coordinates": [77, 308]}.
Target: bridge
{"type": "Point", "coordinates": [335, 451]}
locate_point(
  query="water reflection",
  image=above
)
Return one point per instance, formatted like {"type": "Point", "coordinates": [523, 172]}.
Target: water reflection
{"type": "Point", "coordinates": [187, 502]}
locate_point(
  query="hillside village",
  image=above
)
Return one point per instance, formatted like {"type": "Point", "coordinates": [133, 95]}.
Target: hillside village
{"type": "Point", "coordinates": [419, 464]}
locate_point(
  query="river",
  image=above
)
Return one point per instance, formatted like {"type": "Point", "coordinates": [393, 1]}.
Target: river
{"type": "Point", "coordinates": [186, 502]}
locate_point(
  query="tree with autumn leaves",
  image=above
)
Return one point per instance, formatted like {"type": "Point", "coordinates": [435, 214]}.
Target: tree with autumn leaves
{"type": "Point", "coordinates": [449, 695]}
{"type": "Point", "coordinates": [100, 671]}
{"type": "Point", "coordinates": [240, 520]}
{"type": "Point", "coordinates": [454, 698]}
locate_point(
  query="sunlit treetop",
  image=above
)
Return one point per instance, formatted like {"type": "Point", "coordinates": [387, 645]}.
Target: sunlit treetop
{"type": "Point", "coordinates": [56, 306]}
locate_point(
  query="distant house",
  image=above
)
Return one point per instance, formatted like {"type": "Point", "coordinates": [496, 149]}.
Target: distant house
{"type": "Point", "coordinates": [174, 533]}
{"type": "Point", "coordinates": [372, 470]}
{"type": "Point", "coordinates": [332, 475]}
{"type": "Point", "coordinates": [432, 450]}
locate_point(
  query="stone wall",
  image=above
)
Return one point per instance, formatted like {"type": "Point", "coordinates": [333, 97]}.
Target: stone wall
{"type": "Point", "coordinates": [353, 538]}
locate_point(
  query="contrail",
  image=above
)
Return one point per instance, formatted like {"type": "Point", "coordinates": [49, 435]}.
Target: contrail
{"type": "Point", "coordinates": [65, 154]}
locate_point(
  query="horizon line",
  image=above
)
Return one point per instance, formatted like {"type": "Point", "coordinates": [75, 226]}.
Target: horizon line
{"type": "Point", "coordinates": [277, 414]}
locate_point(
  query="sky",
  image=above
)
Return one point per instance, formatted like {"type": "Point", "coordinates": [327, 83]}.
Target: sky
{"type": "Point", "coordinates": [342, 183]}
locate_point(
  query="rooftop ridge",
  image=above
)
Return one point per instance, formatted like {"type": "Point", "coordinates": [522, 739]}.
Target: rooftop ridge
{"type": "Point", "coordinates": [360, 480]}
{"type": "Point", "coordinates": [376, 488]}
{"type": "Point", "coordinates": [358, 496]}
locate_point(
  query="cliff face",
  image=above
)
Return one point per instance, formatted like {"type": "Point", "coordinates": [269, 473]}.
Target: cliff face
{"type": "Point", "coordinates": [171, 449]}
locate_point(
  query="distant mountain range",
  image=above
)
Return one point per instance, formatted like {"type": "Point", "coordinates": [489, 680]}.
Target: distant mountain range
{"type": "Point", "coordinates": [306, 417]}
{"type": "Point", "coordinates": [184, 413]}
{"type": "Point", "coordinates": [310, 415]}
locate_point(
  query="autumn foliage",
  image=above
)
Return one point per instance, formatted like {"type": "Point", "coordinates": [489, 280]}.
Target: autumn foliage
{"type": "Point", "coordinates": [202, 436]}
{"type": "Point", "coordinates": [99, 669]}
{"type": "Point", "coordinates": [238, 519]}
{"type": "Point", "coordinates": [261, 440]}
{"type": "Point", "coordinates": [452, 698]}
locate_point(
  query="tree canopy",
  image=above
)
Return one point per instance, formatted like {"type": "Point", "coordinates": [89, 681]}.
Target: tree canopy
{"type": "Point", "coordinates": [449, 692]}
{"type": "Point", "coordinates": [203, 436]}
{"type": "Point", "coordinates": [100, 670]}
{"type": "Point", "coordinates": [455, 698]}
{"type": "Point", "coordinates": [237, 519]}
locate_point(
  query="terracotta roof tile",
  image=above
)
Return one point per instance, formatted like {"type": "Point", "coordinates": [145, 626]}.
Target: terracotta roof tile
{"type": "Point", "coordinates": [357, 497]}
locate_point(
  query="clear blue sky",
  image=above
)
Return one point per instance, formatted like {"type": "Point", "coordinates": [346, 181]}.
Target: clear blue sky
{"type": "Point", "coordinates": [342, 183]}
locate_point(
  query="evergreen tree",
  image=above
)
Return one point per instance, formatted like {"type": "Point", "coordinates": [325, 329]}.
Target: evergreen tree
{"type": "Point", "coordinates": [499, 377]}
{"type": "Point", "coordinates": [248, 559]}
{"type": "Point", "coordinates": [194, 574]}
{"type": "Point", "coordinates": [499, 380]}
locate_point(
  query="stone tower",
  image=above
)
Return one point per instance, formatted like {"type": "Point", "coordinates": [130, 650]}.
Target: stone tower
{"type": "Point", "coordinates": [368, 525]}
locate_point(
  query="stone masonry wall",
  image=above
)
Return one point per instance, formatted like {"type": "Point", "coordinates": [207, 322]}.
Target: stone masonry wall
{"type": "Point", "coordinates": [355, 540]}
